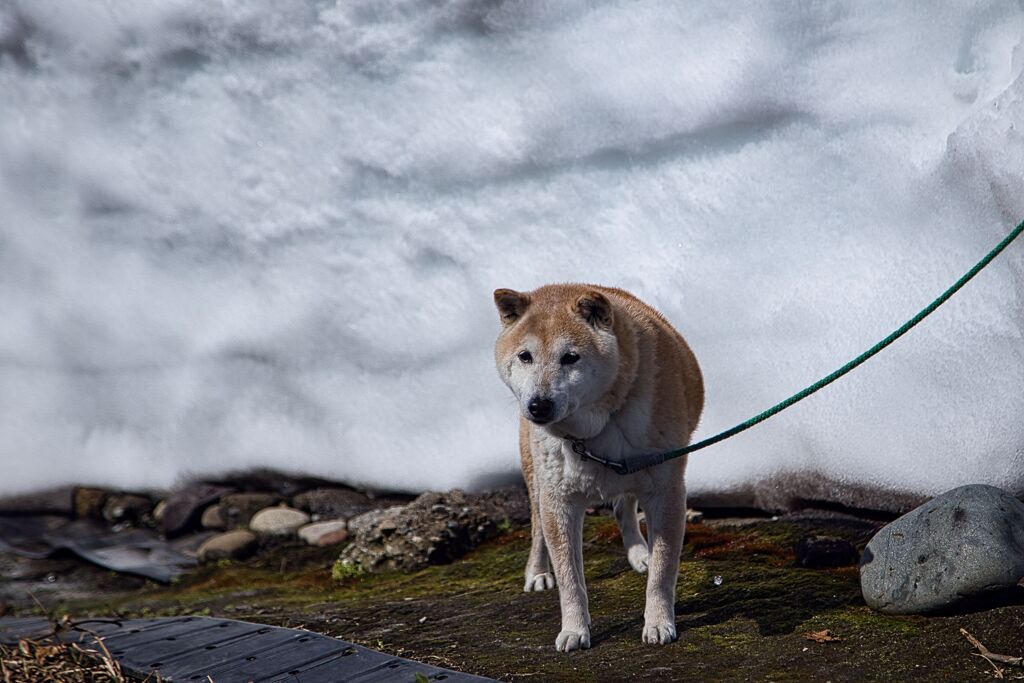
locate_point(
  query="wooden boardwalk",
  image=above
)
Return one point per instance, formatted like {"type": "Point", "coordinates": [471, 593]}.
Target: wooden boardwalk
{"type": "Point", "coordinates": [228, 651]}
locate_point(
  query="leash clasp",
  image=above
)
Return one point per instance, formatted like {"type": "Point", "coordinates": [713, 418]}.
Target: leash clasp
{"type": "Point", "coordinates": [580, 449]}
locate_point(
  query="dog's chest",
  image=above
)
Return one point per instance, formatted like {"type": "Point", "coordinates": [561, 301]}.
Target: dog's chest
{"type": "Point", "coordinates": [564, 470]}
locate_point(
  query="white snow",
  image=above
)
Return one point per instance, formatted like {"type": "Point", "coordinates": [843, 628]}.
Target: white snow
{"type": "Point", "coordinates": [261, 233]}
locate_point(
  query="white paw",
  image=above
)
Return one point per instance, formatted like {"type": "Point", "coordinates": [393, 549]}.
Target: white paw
{"type": "Point", "coordinates": [659, 634]}
{"type": "Point", "coordinates": [568, 641]}
{"type": "Point", "coordinates": [638, 557]}
{"type": "Point", "coordinates": [539, 582]}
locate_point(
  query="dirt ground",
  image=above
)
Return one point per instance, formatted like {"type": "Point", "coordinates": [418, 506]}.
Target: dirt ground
{"type": "Point", "coordinates": [743, 608]}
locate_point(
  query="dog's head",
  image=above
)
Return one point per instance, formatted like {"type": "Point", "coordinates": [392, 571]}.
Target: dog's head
{"type": "Point", "coordinates": [557, 351]}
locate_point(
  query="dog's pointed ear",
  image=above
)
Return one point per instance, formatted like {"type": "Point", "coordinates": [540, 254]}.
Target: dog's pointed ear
{"type": "Point", "coordinates": [595, 308]}
{"type": "Point", "coordinates": [511, 305]}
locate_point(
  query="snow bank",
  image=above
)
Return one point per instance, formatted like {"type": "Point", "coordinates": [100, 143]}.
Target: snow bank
{"type": "Point", "coordinates": [263, 233]}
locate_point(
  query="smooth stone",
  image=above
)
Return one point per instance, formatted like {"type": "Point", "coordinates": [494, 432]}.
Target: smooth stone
{"type": "Point", "coordinates": [962, 544]}
{"type": "Point", "coordinates": [230, 545]}
{"type": "Point", "coordinates": [324, 533]}
{"type": "Point", "coordinates": [184, 507]}
{"type": "Point", "coordinates": [238, 508]}
{"type": "Point", "coordinates": [213, 518]}
{"type": "Point", "coordinates": [278, 521]}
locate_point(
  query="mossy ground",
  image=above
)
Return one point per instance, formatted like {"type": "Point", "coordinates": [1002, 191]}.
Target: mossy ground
{"type": "Point", "coordinates": [473, 616]}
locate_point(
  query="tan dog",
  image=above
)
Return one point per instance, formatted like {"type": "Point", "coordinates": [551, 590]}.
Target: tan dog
{"type": "Point", "coordinates": [595, 363]}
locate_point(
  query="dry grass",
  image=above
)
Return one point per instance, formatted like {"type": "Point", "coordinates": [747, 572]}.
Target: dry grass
{"type": "Point", "coordinates": [32, 661]}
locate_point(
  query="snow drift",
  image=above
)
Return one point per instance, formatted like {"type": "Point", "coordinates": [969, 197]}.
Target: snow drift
{"type": "Point", "coordinates": [239, 234]}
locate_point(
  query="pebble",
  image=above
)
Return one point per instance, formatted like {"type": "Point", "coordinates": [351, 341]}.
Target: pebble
{"type": "Point", "coordinates": [324, 533]}
{"type": "Point", "coordinates": [230, 545]}
{"type": "Point", "coordinates": [184, 507]}
{"type": "Point", "coordinates": [213, 518]}
{"type": "Point", "coordinates": [961, 544]}
{"type": "Point", "coordinates": [278, 521]}
{"type": "Point", "coordinates": [238, 508]}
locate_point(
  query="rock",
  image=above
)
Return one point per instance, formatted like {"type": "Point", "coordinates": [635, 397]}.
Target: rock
{"type": "Point", "coordinates": [231, 545]}
{"type": "Point", "coordinates": [50, 502]}
{"type": "Point", "coordinates": [962, 544]}
{"type": "Point", "coordinates": [334, 503]}
{"type": "Point", "coordinates": [213, 518]}
{"type": "Point", "coordinates": [158, 512]}
{"type": "Point", "coordinates": [184, 507]}
{"type": "Point", "coordinates": [511, 502]}
{"type": "Point", "coordinates": [815, 552]}
{"type": "Point", "coordinates": [278, 521]}
{"type": "Point", "coordinates": [126, 507]}
{"type": "Point", "coordinates": [435, 528]}
{"type": "Point", "coordinates": [372, 519]}
{"type": "Point", "coordinates": [238, 509]}
{"type": "Point", "coordinates": [89, 503]}
{"type": "Point", "coordinates": [324, 533]}
{"type": "Point", "coordinates": [694, 516]}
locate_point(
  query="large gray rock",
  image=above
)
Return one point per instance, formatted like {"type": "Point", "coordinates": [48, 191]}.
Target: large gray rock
{"type": "Point", "coordinates": [964, 543]}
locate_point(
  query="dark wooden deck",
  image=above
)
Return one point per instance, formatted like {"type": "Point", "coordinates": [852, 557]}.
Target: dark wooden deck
{"type": "Point", "coordinates": [228, 651]}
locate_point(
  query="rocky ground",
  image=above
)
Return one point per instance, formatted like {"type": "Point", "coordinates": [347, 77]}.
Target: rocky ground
{"type": "Point", "coordinates": [439, 579]}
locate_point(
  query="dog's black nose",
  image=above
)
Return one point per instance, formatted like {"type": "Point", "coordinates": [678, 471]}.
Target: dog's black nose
{"type": "Point", "coordinates": [541, 409]}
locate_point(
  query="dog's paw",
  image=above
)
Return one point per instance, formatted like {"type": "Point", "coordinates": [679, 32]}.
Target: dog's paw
{"type": "Point", "coordinates": [539, 582]}
{"type": "Point", "coordinates": [638, 557]}
{"type": "Point", "coordinates": [568, 641]}
{"type": "Point", "coordinates": [659, 634]}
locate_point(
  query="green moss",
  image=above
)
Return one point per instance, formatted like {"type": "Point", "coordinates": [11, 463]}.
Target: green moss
{"type": "Point", "coordinates": [346, 569]}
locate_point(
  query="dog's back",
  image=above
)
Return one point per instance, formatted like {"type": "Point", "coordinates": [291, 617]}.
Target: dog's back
{"type": "Point", "coordinates": [678, 396]}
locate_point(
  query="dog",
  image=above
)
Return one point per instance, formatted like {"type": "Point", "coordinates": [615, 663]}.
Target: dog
{"type": "Point", "coordinates": [596, 364]}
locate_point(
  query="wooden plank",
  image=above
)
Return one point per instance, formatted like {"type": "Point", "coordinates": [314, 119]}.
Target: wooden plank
{"type": "Point", "coordinates": [187, 649]}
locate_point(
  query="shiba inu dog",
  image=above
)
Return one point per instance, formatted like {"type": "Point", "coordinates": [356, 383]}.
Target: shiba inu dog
{"type": "Point", "coordinates": [597, 364]}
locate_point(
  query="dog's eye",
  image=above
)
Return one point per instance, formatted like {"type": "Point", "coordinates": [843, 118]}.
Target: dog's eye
{"type": "Point", "coordinates": [525, 356]}
{"type": "Point", "coordinates": [570, 358]}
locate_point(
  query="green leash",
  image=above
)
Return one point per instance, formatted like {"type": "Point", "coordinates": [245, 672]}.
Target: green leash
{"type": "Point", "coordinates": [636, 463]}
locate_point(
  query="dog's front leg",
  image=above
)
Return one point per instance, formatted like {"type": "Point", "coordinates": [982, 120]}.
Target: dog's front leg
{"type": "Point", "coordinates": [666, 523]}
{"type": "Point", "coordinates": [538, 568]}
{"type": "Point", "coordinates": [562, 518]}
